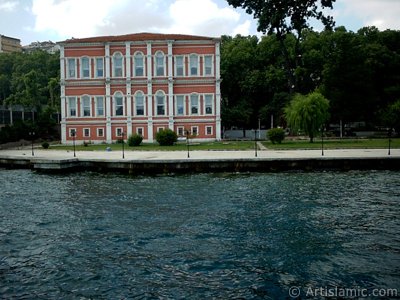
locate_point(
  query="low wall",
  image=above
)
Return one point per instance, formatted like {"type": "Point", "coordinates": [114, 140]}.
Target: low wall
{"type": "Point", "coordinates": [146, 167]}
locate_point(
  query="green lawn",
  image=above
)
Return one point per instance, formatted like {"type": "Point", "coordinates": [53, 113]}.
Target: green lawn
{"type": "Point", "coordinates": [334, 144]}
{"type": "Point", "coordinates": [226, 145]}
{"type": "Point", "coordinates": [243, 145]}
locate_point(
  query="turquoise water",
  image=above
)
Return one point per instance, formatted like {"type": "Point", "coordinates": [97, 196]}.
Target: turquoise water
{"type": "Point", "coordinates": [95, 236]}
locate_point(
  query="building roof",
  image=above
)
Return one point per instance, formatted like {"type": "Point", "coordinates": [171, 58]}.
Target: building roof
{"type": "Point", "coordinates": [145, 36]}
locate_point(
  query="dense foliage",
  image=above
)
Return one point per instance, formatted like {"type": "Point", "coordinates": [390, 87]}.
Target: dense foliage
{"type": "Point", "coordinates": [166, 137]}
{"type": "Point", "coordinates": [276, 135]}
{"type": "Point", "coordinates": [356, 72]}
{"type": "Point", "coordinates": [135, 140]}
{"type": "Point", "coordinates": [307, 113]}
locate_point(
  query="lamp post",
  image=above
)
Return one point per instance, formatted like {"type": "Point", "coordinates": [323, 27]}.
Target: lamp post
{"type": "Point", "coordinates": [73, 134]}
{"type": "Point", "coordinates": [123, 143]}
{"type": "Point", "coordinates": [255, 142]}
{"type": "Point", "coordinates": [322, 140]}
{"type": "Point", "coordinates": [390, 139]}
{"type": "Point", "coordinates": [187, 142]}
{"type": "Point", "coordinates": [32, 135]}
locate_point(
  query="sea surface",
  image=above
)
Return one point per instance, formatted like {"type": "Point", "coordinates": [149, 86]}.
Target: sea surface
{"type": "Point", "coordinates": [204, 236]}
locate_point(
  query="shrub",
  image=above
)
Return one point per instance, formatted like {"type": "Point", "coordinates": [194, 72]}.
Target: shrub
{"type": "Point", "coordinates": [276, 135]}
{"type": "Point", "coordinates": [135, 140]}
{"type": "Point", "coordinates": [166, 137]}
{"type": "Point", "coordinates": [45, 145]}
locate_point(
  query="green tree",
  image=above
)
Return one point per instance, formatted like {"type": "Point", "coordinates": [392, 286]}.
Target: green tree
{"type": "Point", "coordinates": [307, 113]}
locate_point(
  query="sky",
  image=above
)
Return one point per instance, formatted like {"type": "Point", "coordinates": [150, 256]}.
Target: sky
{"type": "Point", "coordinates": [58, 20]}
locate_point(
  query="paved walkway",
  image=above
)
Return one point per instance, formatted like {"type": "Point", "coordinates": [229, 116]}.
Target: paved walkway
{"type": "Point", "coordinates": [199, 155]}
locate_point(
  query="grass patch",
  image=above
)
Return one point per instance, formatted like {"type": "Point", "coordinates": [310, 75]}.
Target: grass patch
{"type": "Point", "coordinates": [334, 144]}
{"type": "Point", "coordinates": [207, 146]}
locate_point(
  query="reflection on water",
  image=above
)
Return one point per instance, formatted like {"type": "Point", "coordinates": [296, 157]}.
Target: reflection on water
{"type": "Point", "coordinates": [90, 235]}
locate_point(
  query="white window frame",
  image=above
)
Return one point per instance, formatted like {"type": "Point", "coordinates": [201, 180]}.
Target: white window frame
{"type": "Point", "coordinates": [99, 99]}
{"type": "Point", "coordinates": [176, 65]}
{"type": "Point", "coordinates": [191, 105]}
{"type": "Point", "coordinates": [205, 104]}
{"type": "Point", "coordinates": [70, 132]}
{"type": "Point", "coordinates": [82, 69]}
{"type": "Point", "coordinates": [212, 65]}
{"type": "Point", "coordinates": [69, 76]}
{"type": "Point", "coordinates": [135, 56]}
{"type": "Point", "coordinates": [83, 98]}
{"type": "Point", "coordinates": [156, 56]}
{"type": "Point", "coordinates": [160, 128]}
{"type": "Point", "coordinates": [84, 132]}
{"type": "Point", "coordinates": [98, 132]}
{"type": "Point", "coordinates": [118, 55]}
{"type": "Point", "coordinates": [179, 128]}
{"type": "Point", "coordinates": [119, 131]}
{"type": "Point", "coordinates": [97, 66]}
{"type": "Point", "coordinates": [192, 130]}
{"type": "Point", "coordinates": [157, 94]}
{"type": "Point", "coordinates": [212, 131]}
{"type": "Point", "coordinates": [69, 107]}
{"type": "Point", "coordinates": [197, 65]}
{"type": "Point", "coordinates": [140, 129]}
{"type": "Point", "coordinates": [176, 105]}
{"type": "Point", "coordinates": [118, 94]}
{"type": "Point", "coordinates": [144, 103]}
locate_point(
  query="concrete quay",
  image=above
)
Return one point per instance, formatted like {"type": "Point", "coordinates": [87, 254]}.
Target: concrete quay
{"type": "Point", "coordinates": [166, 162]}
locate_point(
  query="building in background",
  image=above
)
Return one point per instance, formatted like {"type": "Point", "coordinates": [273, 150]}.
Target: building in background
{"type": "Point", "coordinates": [9, 44]}
{"type": "Point", "coordinates": [47, 46]}
{"type": "Point", "coordinates": [115, 86]}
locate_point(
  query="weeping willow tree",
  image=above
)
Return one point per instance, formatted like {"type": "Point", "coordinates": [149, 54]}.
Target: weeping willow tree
{"type": "Point", "coordinates": [307, 113]}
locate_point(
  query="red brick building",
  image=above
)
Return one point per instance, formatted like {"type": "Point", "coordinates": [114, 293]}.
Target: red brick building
{"type": "Point", "coordinates": [114, 86]}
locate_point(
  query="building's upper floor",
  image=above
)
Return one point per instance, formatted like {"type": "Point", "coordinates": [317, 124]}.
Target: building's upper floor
{"type": "Point", "coordinates": [9, 44]}
{"type": "Point", "coordinates": [140, 56]}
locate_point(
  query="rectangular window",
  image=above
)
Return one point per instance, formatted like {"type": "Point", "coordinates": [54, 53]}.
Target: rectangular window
{"type": "Point", "coordinates": [99, 106]}
{"type": "Point", "coordinates": [208, 104]}
{"type": "Point", "coordinates": [179, 66]}
{"type": "Point", "coordinates": [99, 67]}
{"type": "Point", "coordinates": [71, 68]}
{"type": "Point", "coordinates": [194, 104]}
{"type": "Point", "coordinates": [194, 63]}
{"type": "Point", "coordinates": [100, 132]}
{"type": "Point", "coordinates": [180, 105]}
{"type": "Point", "coordinates": [118, 64]}
{"type": "Point", "coordinates": [119, 132]}
{"type": "Point", "coordinates": [181, 131]}
{"type": "Point", "coordinates": [195, 130]}
{"type": "Point", "coordinates": [209, 130]}
{"type": "Point", "coordinates": [208, 70]}
{"type": "Point", "coordinates": [139, 131]}
{"type": "Point", "coordinates": [139, 65]}
{"type": "Point", "coordinates": [72, 132]}
{"type": "Point", "coordinates": [85, 67]}
{"type": "Point", "coordinates": [160, 105]}
{"type": "Point", "coordinates": [86, 132]}
{"type": "Point", "coordinates": [86, 106]}
{"type": "Point", "coordinates": [160, 129]}
{"type": "Point", "coordinates": [139, 102]}
{"type": "Point", "coordinates": [72, 106]}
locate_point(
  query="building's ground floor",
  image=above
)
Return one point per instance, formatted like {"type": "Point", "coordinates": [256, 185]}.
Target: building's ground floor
{"type": "Point", "coordinates": [112, 130]}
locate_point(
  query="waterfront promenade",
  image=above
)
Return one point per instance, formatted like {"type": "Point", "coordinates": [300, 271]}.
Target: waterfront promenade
{"type": "Point", "coordinates": [166, 162]}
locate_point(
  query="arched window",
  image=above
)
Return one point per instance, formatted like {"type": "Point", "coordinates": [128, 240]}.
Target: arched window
{"type": "Point", "coordinates": [118, 60]}
{"type": "Point", "coordinates": [160, 63]}
{"type": "Point", "coordinates": [160, 103]}
{"type": "Point", "coordinates": [86, 107]}
{"type": "Point", "coordinates": [139, 103]}
{"type": "Point", "coordinates": [138, 62]}
{"type": "Point", "coordinates": [118, 104]}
